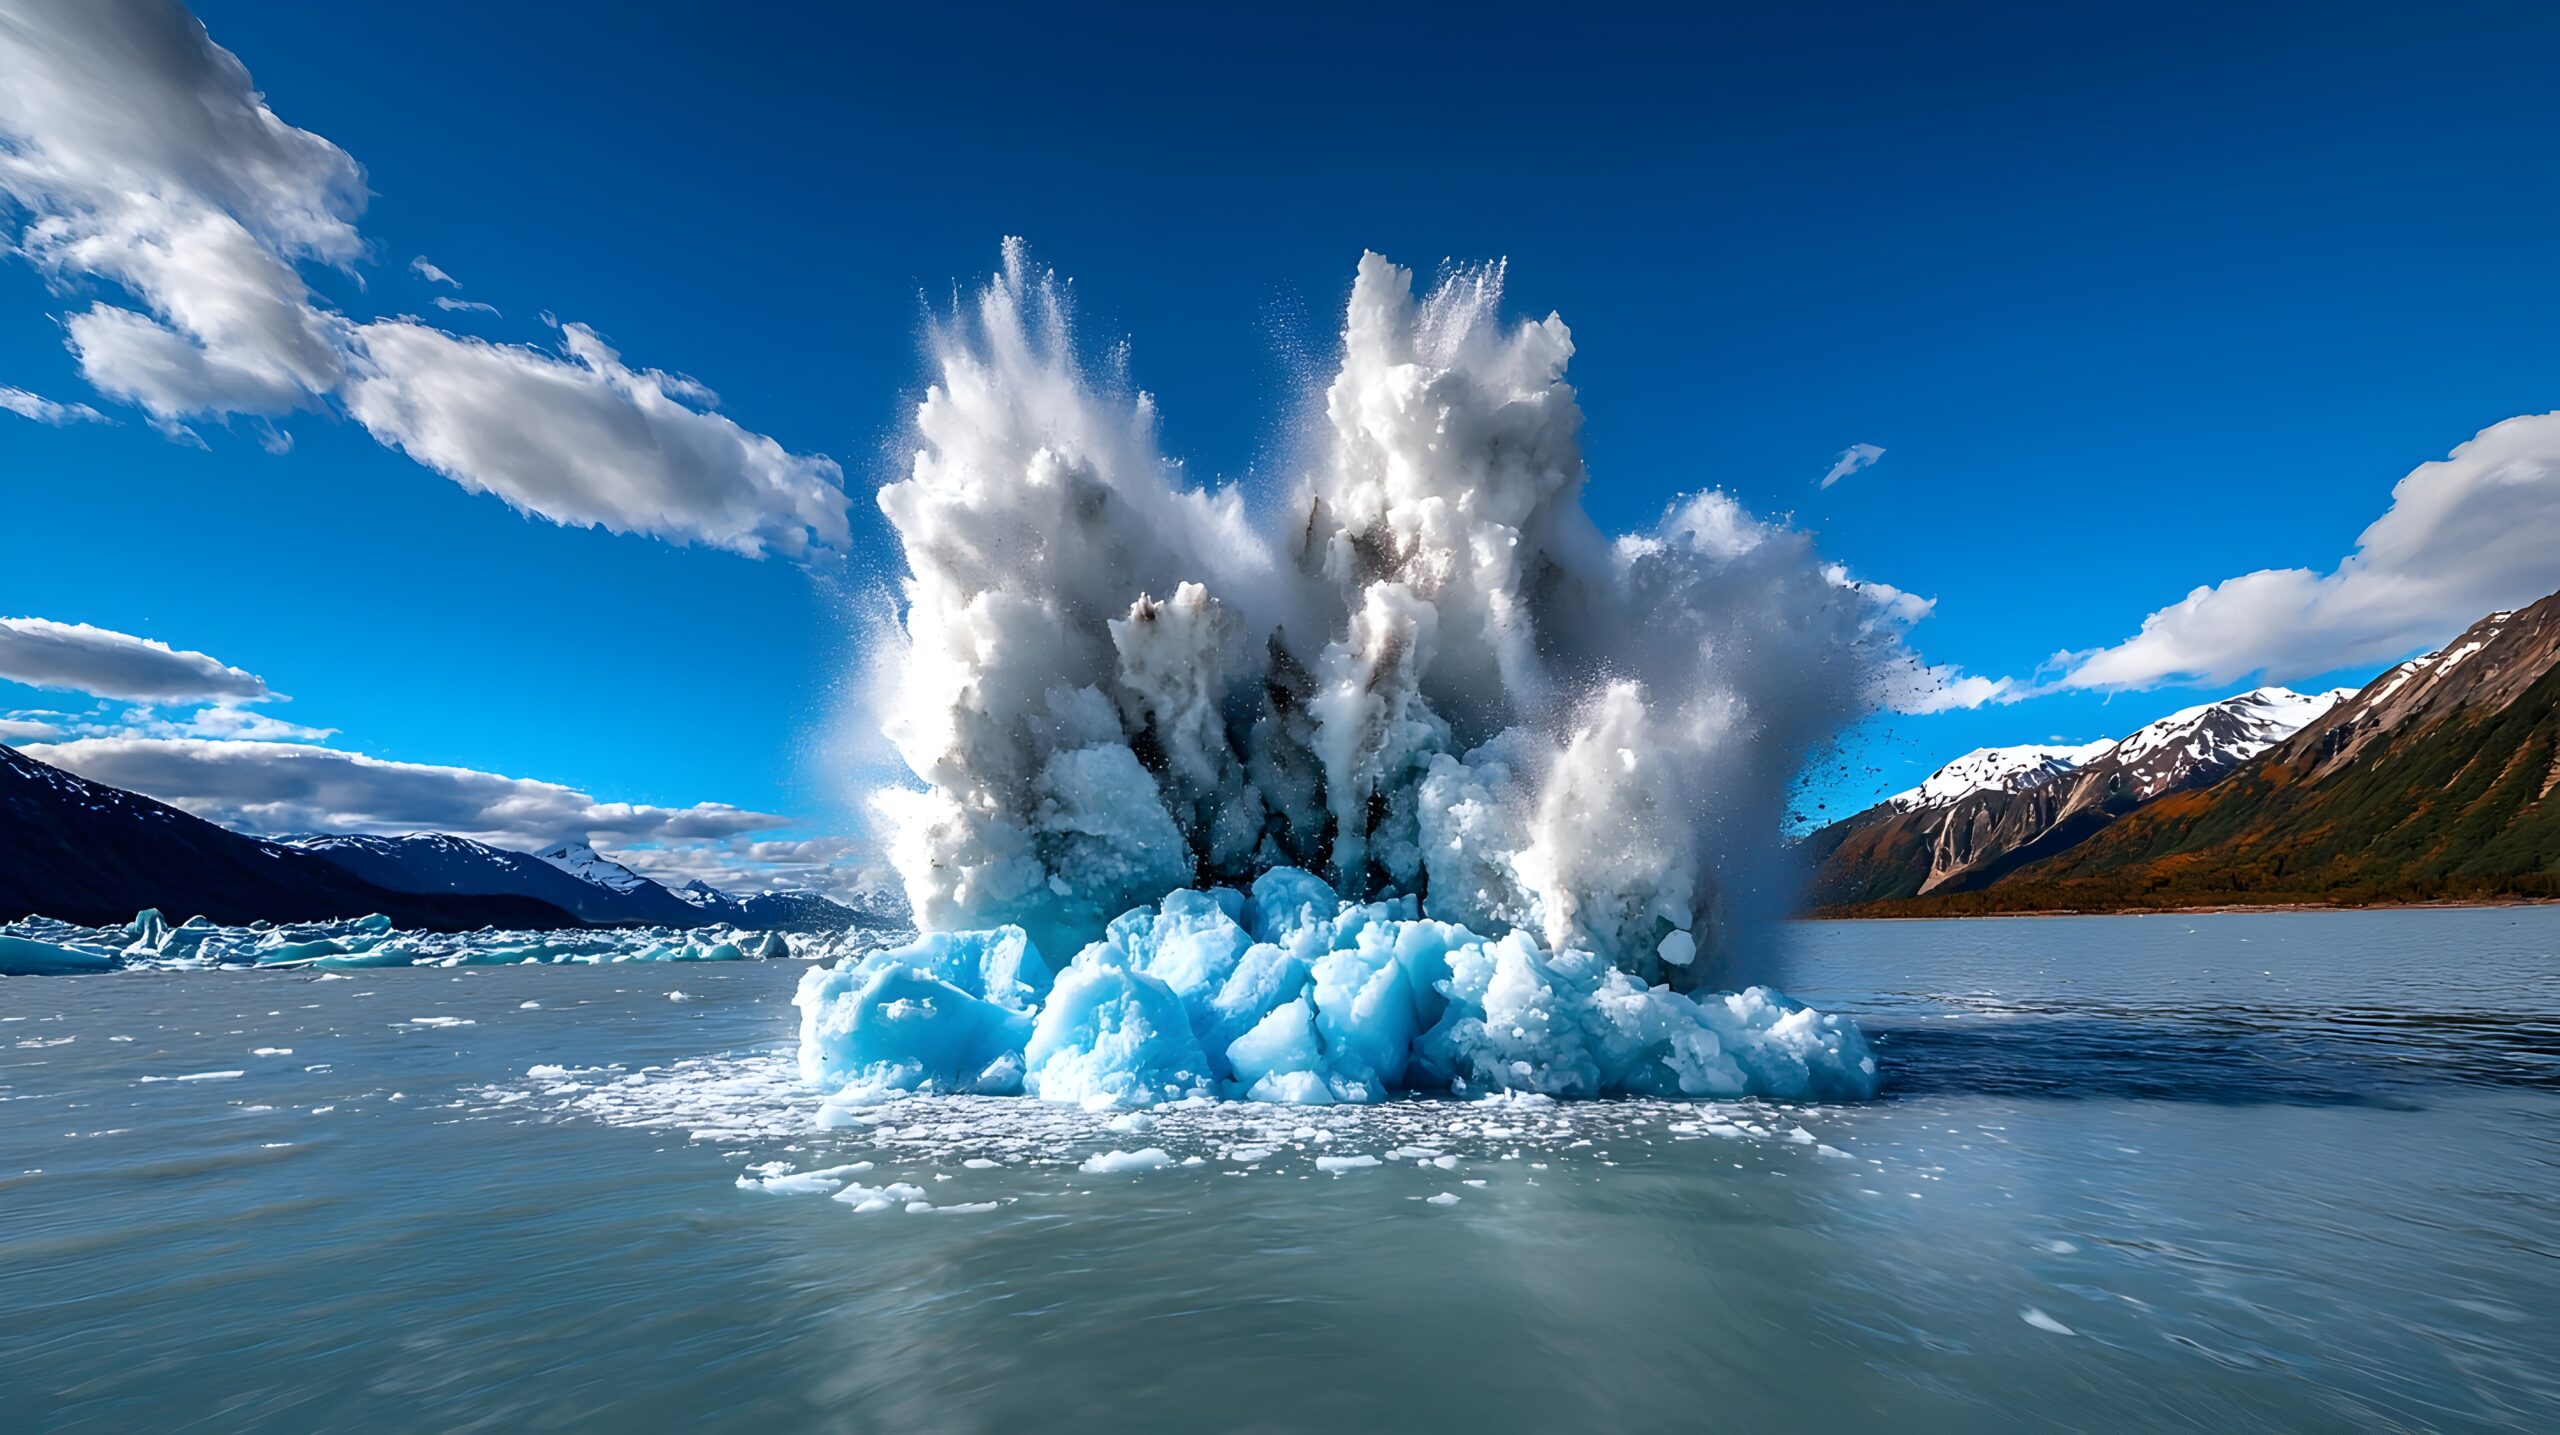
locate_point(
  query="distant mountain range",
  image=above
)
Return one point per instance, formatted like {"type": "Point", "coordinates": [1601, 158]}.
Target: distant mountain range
{"type": "Point", "coordinates": [89, 853]}
{"type": "Point", "coordinates": [2433, 782]}
{"type": "Point", "coordinates": [94, 854]}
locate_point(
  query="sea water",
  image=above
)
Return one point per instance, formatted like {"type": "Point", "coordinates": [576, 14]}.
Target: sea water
{"type": "Point", "coordinates": [2290, 1171]}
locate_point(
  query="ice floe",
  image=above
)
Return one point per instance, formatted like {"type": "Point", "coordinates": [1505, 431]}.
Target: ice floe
{"type": "Point", "coordinates": [41, 946]}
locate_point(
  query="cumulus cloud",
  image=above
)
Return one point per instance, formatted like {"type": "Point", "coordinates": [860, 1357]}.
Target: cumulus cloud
{"type": "Point", "coordinates": [19, 729]}
{"type": "Point", "coordinates": [46, 411]}
{"type": "Point", "coordinates": [429, 272]}
{"type": "Point", "coordinates": [136, 153]}
{"type": "Point", "coordinates": [76, 657]}
{"type": "Point", "coordinates": [2465, 535]}
{"type": "Point", "coordinates": [1853, 458]}
{"type": "Point", "coordinates": [296, 787]}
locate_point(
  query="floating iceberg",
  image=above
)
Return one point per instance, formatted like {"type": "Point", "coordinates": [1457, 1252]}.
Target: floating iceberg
{"type": "Point", "coordinates": [1290, 995]}
{"type": "Point", "coordinates": [27, 957]}
{"type": "Point", "coordinates": [39, 946]}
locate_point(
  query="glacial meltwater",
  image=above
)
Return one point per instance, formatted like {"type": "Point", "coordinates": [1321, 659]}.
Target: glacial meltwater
{"type": "Point", "coordinates": [2286, 1171]}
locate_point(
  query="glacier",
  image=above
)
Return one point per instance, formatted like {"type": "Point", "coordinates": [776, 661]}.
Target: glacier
{"type": "Point", "coordinates": [1289, 994]}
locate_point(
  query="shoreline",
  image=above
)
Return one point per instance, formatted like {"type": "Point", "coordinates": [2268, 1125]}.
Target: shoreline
{"type": "Point", "coordinates": [2214, 909]}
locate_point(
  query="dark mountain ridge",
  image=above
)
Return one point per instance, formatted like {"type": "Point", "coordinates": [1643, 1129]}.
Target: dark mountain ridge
{"type": "Point", "coordinates": [89, 853]}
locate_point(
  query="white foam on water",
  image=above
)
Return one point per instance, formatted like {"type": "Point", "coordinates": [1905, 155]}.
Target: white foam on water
{"type": "Point", "coordinates": [786, 1139]}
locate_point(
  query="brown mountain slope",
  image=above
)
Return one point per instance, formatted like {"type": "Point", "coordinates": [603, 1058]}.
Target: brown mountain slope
{"type": "Point", "coordinates": [2437, 781]}
{"type": "Point", "coordinates": [1919, 844]}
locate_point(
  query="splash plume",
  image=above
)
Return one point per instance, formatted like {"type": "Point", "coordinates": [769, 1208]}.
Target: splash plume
{"type": "Point", "coordinates": [1424, 670]}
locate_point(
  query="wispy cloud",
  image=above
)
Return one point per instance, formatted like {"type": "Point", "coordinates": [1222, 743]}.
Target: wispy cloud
{"type": "Point", "coordinates": [2468, 534]}
{"type": "Point", "coordinates": [452, 305]}
{"type": "Point", "coordinates": [834, 866]}
{"type": "Point", "coordinates": [138, 153]}
{"type": "Point", "coordinates": [46, 411]}
{"type": "Point", "coordinates": [429, 272]}
{"type": "Point", "coordinates": [1853, 458]}
{"type": "Point", "coordinates": [76, 657]}
{"type": "Point", "coordinates": [14, 730]}
{"type": "Point", "coordinates": [1909, 683]}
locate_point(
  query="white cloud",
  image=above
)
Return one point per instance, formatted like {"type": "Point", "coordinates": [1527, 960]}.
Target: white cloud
{"type": "Point", "coordinates": [429, 272]}
{"type": "Point", "coordinates": [1853, 458]}
{"type": "Point", "coordinates": [452, 305]}
{"type": "Point", "coordinates": [1892, 604]}
{"type": "Point", "coordinates": [142, 156]}
{"type": "Point", "coordinates": [220, 720]}
{"type": "Point", "coordinates": [14, 730]}
{"type": "Point", "coordinates": [833, 866]}
{"type": "Point", "coordinates": [139, 155]}
{"type": "Point", "coordinates": [1940, 688]}
{"type": "Point", "coordinates": [2466, 535]}
{"type": "Point", "coordinates": [1907, 684]}
{"type": "Point", "coordinates": [79, 658]}
{"type": "Point", "coordinates": [46, 411]}
{"type": "Point", "coordinates": [590, 441]}
{"type": "Point", "coordinates": [292, 787]}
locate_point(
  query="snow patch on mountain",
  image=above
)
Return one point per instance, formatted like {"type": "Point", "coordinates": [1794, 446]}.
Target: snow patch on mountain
{"type": "Point", "coordinates": [2156, 756]}
{"type": "Point", "coordinates": [585, 863]}
{"type": "Point", "coordinates": [1997, 769]}
{"type": "Point", "coordinates": [2216, 737]}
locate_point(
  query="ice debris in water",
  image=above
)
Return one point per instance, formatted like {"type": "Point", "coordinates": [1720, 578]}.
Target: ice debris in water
{"type": "Point", "coordinates": [41, 946]}
{"type": "Point", "coordinates": [1293, 996]}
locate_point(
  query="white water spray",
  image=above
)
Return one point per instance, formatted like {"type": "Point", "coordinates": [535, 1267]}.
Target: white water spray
{"type": "Point", "coordinates": [1426, 672]}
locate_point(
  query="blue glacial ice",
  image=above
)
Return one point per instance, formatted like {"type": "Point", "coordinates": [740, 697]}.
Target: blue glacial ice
{"type": "Point", "coordinates": [1290, 995]}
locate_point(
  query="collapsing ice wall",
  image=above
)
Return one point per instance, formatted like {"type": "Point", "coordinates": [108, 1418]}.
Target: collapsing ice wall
{"type": "Point", "coordinates": [1424, 674]}
{"type": "Point", "coordinates": [1290, 995]}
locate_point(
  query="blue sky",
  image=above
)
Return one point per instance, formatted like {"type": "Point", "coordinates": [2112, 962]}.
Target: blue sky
{"type": "Point", "coordinates": [2132, 301]}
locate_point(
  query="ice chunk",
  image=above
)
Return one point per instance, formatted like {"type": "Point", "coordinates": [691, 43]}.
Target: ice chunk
{"type": "Point", "coordinates": [1113, 1036]}
{"type": "Point", "coordinates": [1112, 1163]}
{"type": "Point", "coordinates": [1289, 906]}
{"type": "Point", "coordinates": [27, 957]}
{"type": "Point", "coordinates": [1283, 1042]}
{"type": "Point", "coordinates": [872, 1027]}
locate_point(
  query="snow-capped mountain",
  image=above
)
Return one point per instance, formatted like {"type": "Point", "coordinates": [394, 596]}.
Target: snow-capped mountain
{"type": "Point", "coordinates": [2215, 737]}
{"type": "Point", "coordinates": [588, 865]}
{"type": "Point", "coordinates": [698, 901]}
{"type": "Point", "coordinates": [2440, 779]}
{"type": "Point", "coordinates": [1993, 810]}
{"type": "Point", "coordinates": [1996, 769]}
{"type": "Point", "coordinates": [89, 853]}
{"type": "Point", "coordinates": [439, 862]}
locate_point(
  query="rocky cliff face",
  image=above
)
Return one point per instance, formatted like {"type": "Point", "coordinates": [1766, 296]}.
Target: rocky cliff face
{"type": "Point", "coordinates": [2489, 667]}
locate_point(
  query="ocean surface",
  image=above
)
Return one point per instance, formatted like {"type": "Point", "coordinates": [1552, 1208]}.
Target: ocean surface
{"type": "Point", "coordinates": [2286, 1171]}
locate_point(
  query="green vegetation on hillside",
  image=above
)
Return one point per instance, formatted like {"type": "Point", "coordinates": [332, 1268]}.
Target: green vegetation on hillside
{"type": "Point", "coordinates": [2465, 809]}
